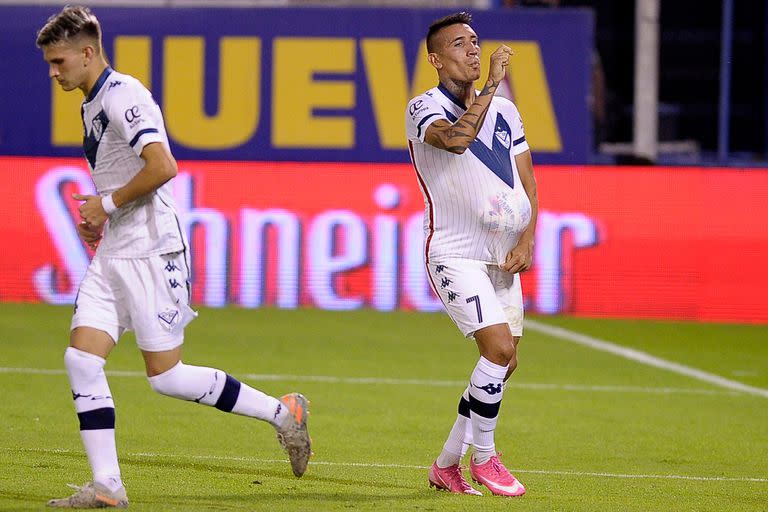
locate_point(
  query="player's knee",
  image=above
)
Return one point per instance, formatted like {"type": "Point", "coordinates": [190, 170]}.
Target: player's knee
{"type": "Point", "coordinates": [509, 354]}
{"type": "Point", "coordinates": [512, 363]}
{"type": "Point", "coordinates": [170, 383]}
{"type": "Point", "coordinates": [81, 365]}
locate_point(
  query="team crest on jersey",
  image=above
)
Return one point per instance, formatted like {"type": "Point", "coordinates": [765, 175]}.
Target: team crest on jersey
{"type": "Point", "coordinates": [97, 127]}
{"type": "Point", "coordinates": [504, 137]}
{"type": "Point", "coordinates": [169, 318]}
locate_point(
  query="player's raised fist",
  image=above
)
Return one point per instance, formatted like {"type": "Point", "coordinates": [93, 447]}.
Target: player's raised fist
{"type": "Point", "coordinates": [499, 62]}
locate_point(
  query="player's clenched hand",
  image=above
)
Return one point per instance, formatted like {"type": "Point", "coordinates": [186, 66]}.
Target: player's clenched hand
{"type": "Point", "coordinates": [519, 259]}
{"type": "Point", "coordinates": [91, 210]}
{"type": "Point", "coordinates": [499, 62]}
{"type": "Point", "coordinates": [89, 234]}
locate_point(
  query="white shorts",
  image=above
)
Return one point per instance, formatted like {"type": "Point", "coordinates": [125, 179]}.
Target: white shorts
{"type": "Point", "coordinates": [149, 296]}
{"type": "Point", "coordinates": [477, 294]}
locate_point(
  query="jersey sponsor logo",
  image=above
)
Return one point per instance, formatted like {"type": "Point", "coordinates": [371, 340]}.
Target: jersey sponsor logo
{"type": "Point", "coordinates": [132, 114]}
{"type": "Point", "coordinates": [416, 108]}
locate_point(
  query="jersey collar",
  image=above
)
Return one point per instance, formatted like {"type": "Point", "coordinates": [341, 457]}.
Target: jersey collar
{"type": "Point", "coordinates": [451, 97]}
{"type": "Point", "coordinates": [99, 83]}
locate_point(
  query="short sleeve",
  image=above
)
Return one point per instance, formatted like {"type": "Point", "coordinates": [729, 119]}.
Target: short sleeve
{"type": "Point", "coordinates": [519, 144]}
{"type": "Point", "coordinates": [422, 111]}
{"type": "Point", "coordinates": [134, 114]}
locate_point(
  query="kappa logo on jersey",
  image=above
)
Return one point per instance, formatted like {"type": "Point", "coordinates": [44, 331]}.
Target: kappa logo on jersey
{"type": "Point", "coordinates": [504, 137]}
{"type": "Point", "coordinates": [114, 83]}
{"type": "Point", "coordinates": [169, 318]}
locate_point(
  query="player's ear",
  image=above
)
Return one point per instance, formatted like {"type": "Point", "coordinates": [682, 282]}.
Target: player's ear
{"type": "Point", "coordinates": [434, 59]}
{"type": "Point", "coordinates": [88, 53]}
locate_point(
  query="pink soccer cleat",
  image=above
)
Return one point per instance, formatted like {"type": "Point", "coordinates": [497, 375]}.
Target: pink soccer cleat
{"type": "Point", "coordinates": [496, 477]}
{"type": "Point", "coordinates": [450, 479]}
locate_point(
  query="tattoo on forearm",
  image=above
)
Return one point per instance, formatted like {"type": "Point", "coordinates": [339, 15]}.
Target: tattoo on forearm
{"type": "Point", "coordinates": [489, 88]}
{"type": "Point", "coordinates": [465, 129]}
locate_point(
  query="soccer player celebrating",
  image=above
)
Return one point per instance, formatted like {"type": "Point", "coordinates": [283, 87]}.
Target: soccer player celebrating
{"type": "Point", "coordinates": [475, 171]}
{"type": "Point", "coordinates": [138, 278]}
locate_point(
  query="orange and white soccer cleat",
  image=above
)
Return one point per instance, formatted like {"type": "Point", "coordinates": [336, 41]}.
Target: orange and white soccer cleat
{"type": "Point", "coordinates": [292, 433]}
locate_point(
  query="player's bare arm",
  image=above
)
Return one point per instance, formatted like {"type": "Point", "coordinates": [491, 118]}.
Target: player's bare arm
{"type": "Point", "coordinates": [456, 137]}
{"type": "Point", "coordinates": [520, 258]}
{"type": "Point", "coordinates": [159, 167]}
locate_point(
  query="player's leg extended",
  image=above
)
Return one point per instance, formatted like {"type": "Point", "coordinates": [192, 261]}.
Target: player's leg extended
{"type": "Point", "coordinates": [160, 334]}
{"type": "Point", "coordinates": [85, 359]}
{"type": "Point", "coordinates": [169, 376]}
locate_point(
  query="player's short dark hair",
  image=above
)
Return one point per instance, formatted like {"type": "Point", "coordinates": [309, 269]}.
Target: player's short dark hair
{"type": "Point", "coordinates": [446, 21]}
{"type": "Point", "coordinates": [73, 21]}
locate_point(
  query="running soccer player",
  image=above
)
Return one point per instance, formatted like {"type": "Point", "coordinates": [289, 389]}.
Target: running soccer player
{"type": "Point", "coordinates": [138, 278]}
{"type": "Point", "coordinates": [475, 171]}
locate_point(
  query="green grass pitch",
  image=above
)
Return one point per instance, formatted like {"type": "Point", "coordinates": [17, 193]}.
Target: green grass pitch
{"type": "Point", "coordinates": [583, 429]}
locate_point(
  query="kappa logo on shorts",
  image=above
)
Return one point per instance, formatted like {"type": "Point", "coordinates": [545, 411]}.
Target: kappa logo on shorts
{"type": "Point", "coordinates": [169, 318]}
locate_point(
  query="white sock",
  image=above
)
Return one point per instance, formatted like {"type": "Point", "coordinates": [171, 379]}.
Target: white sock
{"type": "Point", "coordinates": [213, 387]}
{"type": "Point", "coordinates": [96, 412]}
{"type": "Point", "coordinates": [455, 446]}
{"type": "Point", "coordinates": [485, 393]}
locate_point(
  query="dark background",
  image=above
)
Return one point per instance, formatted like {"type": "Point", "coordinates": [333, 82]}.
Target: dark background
{"type": "Point", "coordinates": [689, 67]}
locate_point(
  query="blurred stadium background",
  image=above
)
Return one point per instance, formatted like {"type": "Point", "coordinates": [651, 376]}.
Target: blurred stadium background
{"type": "Point", "coordinates": [648, 130]}
{"type": "Point", "coordinates": [648, 126]}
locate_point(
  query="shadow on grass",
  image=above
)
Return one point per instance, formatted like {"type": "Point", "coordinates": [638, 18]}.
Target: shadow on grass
{"type": "Point", "coordinates": [247, 471]}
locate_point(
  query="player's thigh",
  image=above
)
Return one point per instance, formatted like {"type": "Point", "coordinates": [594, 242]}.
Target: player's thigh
{"type": "Point", "coordinates": [158, 293]}
{"type": "Point", "coordinates": [467, 292]}
{"type": "Point", "coordinates": [98, 304]}
{"type": "Point", "coordinates": [510, 296]}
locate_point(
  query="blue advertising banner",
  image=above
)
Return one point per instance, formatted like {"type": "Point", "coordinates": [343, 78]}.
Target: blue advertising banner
{"type": "Point", "coordinates": [310, 84]}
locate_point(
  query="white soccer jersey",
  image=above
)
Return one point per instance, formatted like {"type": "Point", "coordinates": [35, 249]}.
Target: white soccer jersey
{"type": "Point", "coordinates": [120, 117]}
{"type": "Point", "coordinates": [475, 205]}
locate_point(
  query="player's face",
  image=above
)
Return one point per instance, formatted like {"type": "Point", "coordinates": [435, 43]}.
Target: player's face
{"type": "Point", "coordinates": [458, 51]}
{"type": "Point", "coordinates": [67, 64]}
